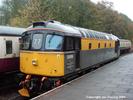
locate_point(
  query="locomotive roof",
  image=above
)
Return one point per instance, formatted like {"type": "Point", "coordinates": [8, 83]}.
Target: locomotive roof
{"type": "Point", "coordinates": [67, 29]}
{"type": "Point", "coordinates": [73, 31]}
{"type": "Point", "coordinates": [11, 31]}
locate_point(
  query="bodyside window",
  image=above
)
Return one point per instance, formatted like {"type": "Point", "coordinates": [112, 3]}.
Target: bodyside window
{"type": "Point", "coordinates": [8, 47]}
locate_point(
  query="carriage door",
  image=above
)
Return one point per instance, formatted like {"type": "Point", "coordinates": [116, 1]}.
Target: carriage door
{"type": "Point", "coordinates": [11, 61]}
{"type": "Point", "coordinates": [117, 44]}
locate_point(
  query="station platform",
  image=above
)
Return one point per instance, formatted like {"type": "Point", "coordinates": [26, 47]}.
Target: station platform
{"type": "Point", "coordinates": [113, 81]}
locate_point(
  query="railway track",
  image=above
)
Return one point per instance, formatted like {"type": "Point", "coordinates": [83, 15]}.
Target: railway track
{"type": "Point", "coordinates": [8, 88]}
{"type": "Point", "coordinates": [9, 92]}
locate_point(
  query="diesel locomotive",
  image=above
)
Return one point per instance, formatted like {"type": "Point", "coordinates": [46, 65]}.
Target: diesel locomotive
{"type": "Point", "coordinates": [52, 52]}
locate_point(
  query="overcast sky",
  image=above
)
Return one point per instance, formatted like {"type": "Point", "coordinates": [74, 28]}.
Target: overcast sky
{"type": "Point", "coordinates": [123, 6]}
{"type": "Point", "coordinates": [1, 2]}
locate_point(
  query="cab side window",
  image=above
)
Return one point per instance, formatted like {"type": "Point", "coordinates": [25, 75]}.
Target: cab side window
{"type": "Point", "coordinates": [77, 43]}
{"type": "Point", "coordinates": [69, 44]}
{"type": "Point", "coordinates": [8, 47]}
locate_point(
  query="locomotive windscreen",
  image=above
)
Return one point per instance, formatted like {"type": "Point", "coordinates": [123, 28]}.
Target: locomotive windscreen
{"type": "Point", "coordinates": [25, 41]}
{"type": "Point", "coordinates": [53, 42]}
{"type": "Point", "coordinates": [42, 40]}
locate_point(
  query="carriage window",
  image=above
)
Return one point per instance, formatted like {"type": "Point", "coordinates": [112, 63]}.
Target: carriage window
{"type": "Point", "coordinates": [8, 47]}
{"type": "Point", "coordinates": [90, 45]}
{"type": "Point", "coordinates": [37, 41]}
{"type": "Point", "coordinates": [53, 42]}
{"type": "Point", "coordinates": [105, 45]}
{"type": "Point", "coordinates": [98, 45]}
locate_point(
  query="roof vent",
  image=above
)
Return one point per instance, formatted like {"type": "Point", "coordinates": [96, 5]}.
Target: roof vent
{"type": "Point", "coordinates": [52, 21]}
{"type": "Point", "coordinates": [36, 24]}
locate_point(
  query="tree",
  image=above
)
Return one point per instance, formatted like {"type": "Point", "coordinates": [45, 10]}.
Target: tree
{"type": "Point", "coordinates": [81, 13]}
{"type": "Point", "coordinates": [10, 9]}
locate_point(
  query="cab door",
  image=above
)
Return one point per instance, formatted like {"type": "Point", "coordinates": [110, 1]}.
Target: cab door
{"type": "Point", "coordinates": [77, 47]}
{"type": "Point", "coordinates": [71, 54]}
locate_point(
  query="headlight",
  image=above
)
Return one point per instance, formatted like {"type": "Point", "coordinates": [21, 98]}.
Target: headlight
{"type": "Point", "coordinates": [34, 62]}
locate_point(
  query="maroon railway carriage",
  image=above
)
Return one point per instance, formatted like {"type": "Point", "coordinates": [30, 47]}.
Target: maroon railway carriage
{"type": "Point", "coordinates": [9, 48]}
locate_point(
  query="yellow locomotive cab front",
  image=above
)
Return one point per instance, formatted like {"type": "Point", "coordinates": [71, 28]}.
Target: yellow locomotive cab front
{"type": "Point", "coordinates": [42, 63]}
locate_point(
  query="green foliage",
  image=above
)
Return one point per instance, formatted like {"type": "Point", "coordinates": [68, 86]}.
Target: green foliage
{"type": "Point", "coordinates": [81, 13]}
{"type": "Point", "coordinates": [10, 9]}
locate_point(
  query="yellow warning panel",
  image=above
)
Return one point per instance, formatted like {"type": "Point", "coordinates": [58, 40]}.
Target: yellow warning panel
{"type": "Point", "coordinates": [24, 92]}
